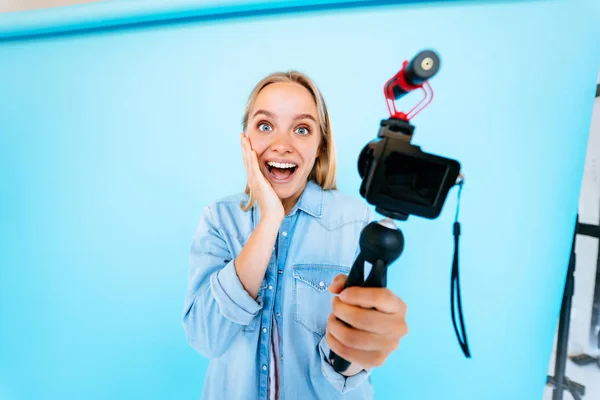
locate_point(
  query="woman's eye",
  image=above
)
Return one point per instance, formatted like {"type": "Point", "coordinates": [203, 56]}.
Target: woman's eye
{"type": "Point", "coordinates": [264, 127]}
{"type": "Point", "coordinates": [302, 130]}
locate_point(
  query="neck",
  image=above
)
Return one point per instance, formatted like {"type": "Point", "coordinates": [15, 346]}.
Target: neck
{"type": "Point", "coordinates": [290, 202]}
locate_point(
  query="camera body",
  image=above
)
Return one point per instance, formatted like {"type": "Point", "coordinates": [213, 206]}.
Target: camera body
{"type": "Point", "coordinates": [400, 179]}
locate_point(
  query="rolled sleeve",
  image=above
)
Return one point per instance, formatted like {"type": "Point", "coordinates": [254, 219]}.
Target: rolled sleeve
{"type": "Point", "coordinates": [340, 382]}
{"type": "Point", "coordinates": [234, 301]}
{"type": "Point", "coordinates": [216, 305]}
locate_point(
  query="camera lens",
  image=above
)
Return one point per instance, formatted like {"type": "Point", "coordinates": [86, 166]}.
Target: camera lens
{"type": "Point", "coordinates": [364, 160]}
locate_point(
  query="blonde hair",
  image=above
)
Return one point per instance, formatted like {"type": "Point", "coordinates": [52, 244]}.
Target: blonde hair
{"type": "Point", "coordinates": [324, 170]}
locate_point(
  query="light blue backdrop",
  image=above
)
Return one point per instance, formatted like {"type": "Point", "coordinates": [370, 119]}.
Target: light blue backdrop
{"type": "Point", "coordinates": [113, 141]}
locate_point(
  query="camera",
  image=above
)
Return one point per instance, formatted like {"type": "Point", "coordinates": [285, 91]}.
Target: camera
{"type": "Point", "coordinates": [399, 178]}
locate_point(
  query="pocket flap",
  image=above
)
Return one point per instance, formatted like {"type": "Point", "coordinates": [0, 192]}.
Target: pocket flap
{"type": "Point", "coordinates": [318, 276]}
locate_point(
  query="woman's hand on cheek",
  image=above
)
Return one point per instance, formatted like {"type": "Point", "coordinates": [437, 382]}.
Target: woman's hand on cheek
{"type": "Point", "coordinates": [268, 201]}
{"type": "Point", "coordinates": [376, 319]}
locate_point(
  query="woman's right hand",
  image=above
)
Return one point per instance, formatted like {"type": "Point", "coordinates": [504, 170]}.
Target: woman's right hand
{"type": "Point", "coordinates": [266, 197]}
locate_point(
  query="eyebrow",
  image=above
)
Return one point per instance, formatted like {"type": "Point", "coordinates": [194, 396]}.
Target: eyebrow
{"type": "Point", "coordinates": [271, 115]}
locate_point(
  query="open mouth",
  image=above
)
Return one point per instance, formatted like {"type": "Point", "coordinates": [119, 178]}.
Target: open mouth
{"type": "Point", "coordinates": [281, 171]}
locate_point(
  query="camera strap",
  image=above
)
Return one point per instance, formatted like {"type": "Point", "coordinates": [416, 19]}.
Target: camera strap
{"type": "Point", "coordinates": [455, 282]}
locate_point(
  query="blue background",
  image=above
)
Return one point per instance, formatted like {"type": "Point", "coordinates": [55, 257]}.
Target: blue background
{"type": "Point", "coordinates": [112, 141]}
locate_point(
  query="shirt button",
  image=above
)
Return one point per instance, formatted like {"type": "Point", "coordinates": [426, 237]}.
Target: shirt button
{"type": "Point", "coordinates": [280, 272]}
{"type": "Point", "coordinates": [270, 287]}
{"type": "Point", "coordinates": [278, 315]}
{"type": "Point", "coordinates": [321, 283]}
{"type": "Point", "coordinates": [265, 330]}
{"type": "Point", "coordinates": [264, 367]}
{"type": "Point", "coordinates": [284, 233]}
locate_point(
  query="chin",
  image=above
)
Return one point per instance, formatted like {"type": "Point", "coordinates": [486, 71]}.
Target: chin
{"type": "Point", "coordinates": [286, 190]}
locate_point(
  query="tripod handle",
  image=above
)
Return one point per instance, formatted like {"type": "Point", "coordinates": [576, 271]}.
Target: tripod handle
{"type": "Point", "coordinates": [377, 278]}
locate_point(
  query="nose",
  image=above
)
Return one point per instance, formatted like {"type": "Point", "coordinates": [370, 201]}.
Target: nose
{"type": "Point", "coordinates": [281, 143]}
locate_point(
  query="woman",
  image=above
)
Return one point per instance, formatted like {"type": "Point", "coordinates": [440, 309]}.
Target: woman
{"type": "Point", "coordinates": [266, 264]}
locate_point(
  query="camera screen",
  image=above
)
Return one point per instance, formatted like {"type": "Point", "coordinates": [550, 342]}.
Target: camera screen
{"type": "Point", "coordinates": [413, 179]}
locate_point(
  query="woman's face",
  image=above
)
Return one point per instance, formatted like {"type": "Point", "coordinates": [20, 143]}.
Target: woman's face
{"type": "Point", "coordinates": [284, 133]}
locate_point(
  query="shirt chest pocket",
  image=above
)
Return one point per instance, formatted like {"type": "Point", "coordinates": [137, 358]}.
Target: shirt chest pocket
{"type": "Point", "coordinates": [312, 299]}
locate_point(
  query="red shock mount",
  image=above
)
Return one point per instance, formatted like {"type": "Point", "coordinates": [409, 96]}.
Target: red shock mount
{"type": "Point", "coordinates": [398, 81]}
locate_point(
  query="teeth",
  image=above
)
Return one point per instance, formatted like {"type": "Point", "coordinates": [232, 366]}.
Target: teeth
{"type": "Point", "coordinates": [281, 165]}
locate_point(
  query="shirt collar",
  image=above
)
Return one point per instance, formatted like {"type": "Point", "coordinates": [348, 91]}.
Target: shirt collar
{"type": "Point", "coordinates": [311, 200]}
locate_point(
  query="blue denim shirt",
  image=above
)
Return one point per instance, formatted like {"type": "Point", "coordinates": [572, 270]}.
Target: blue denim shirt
{"type": "Point", "coordinates": [317, 240]}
